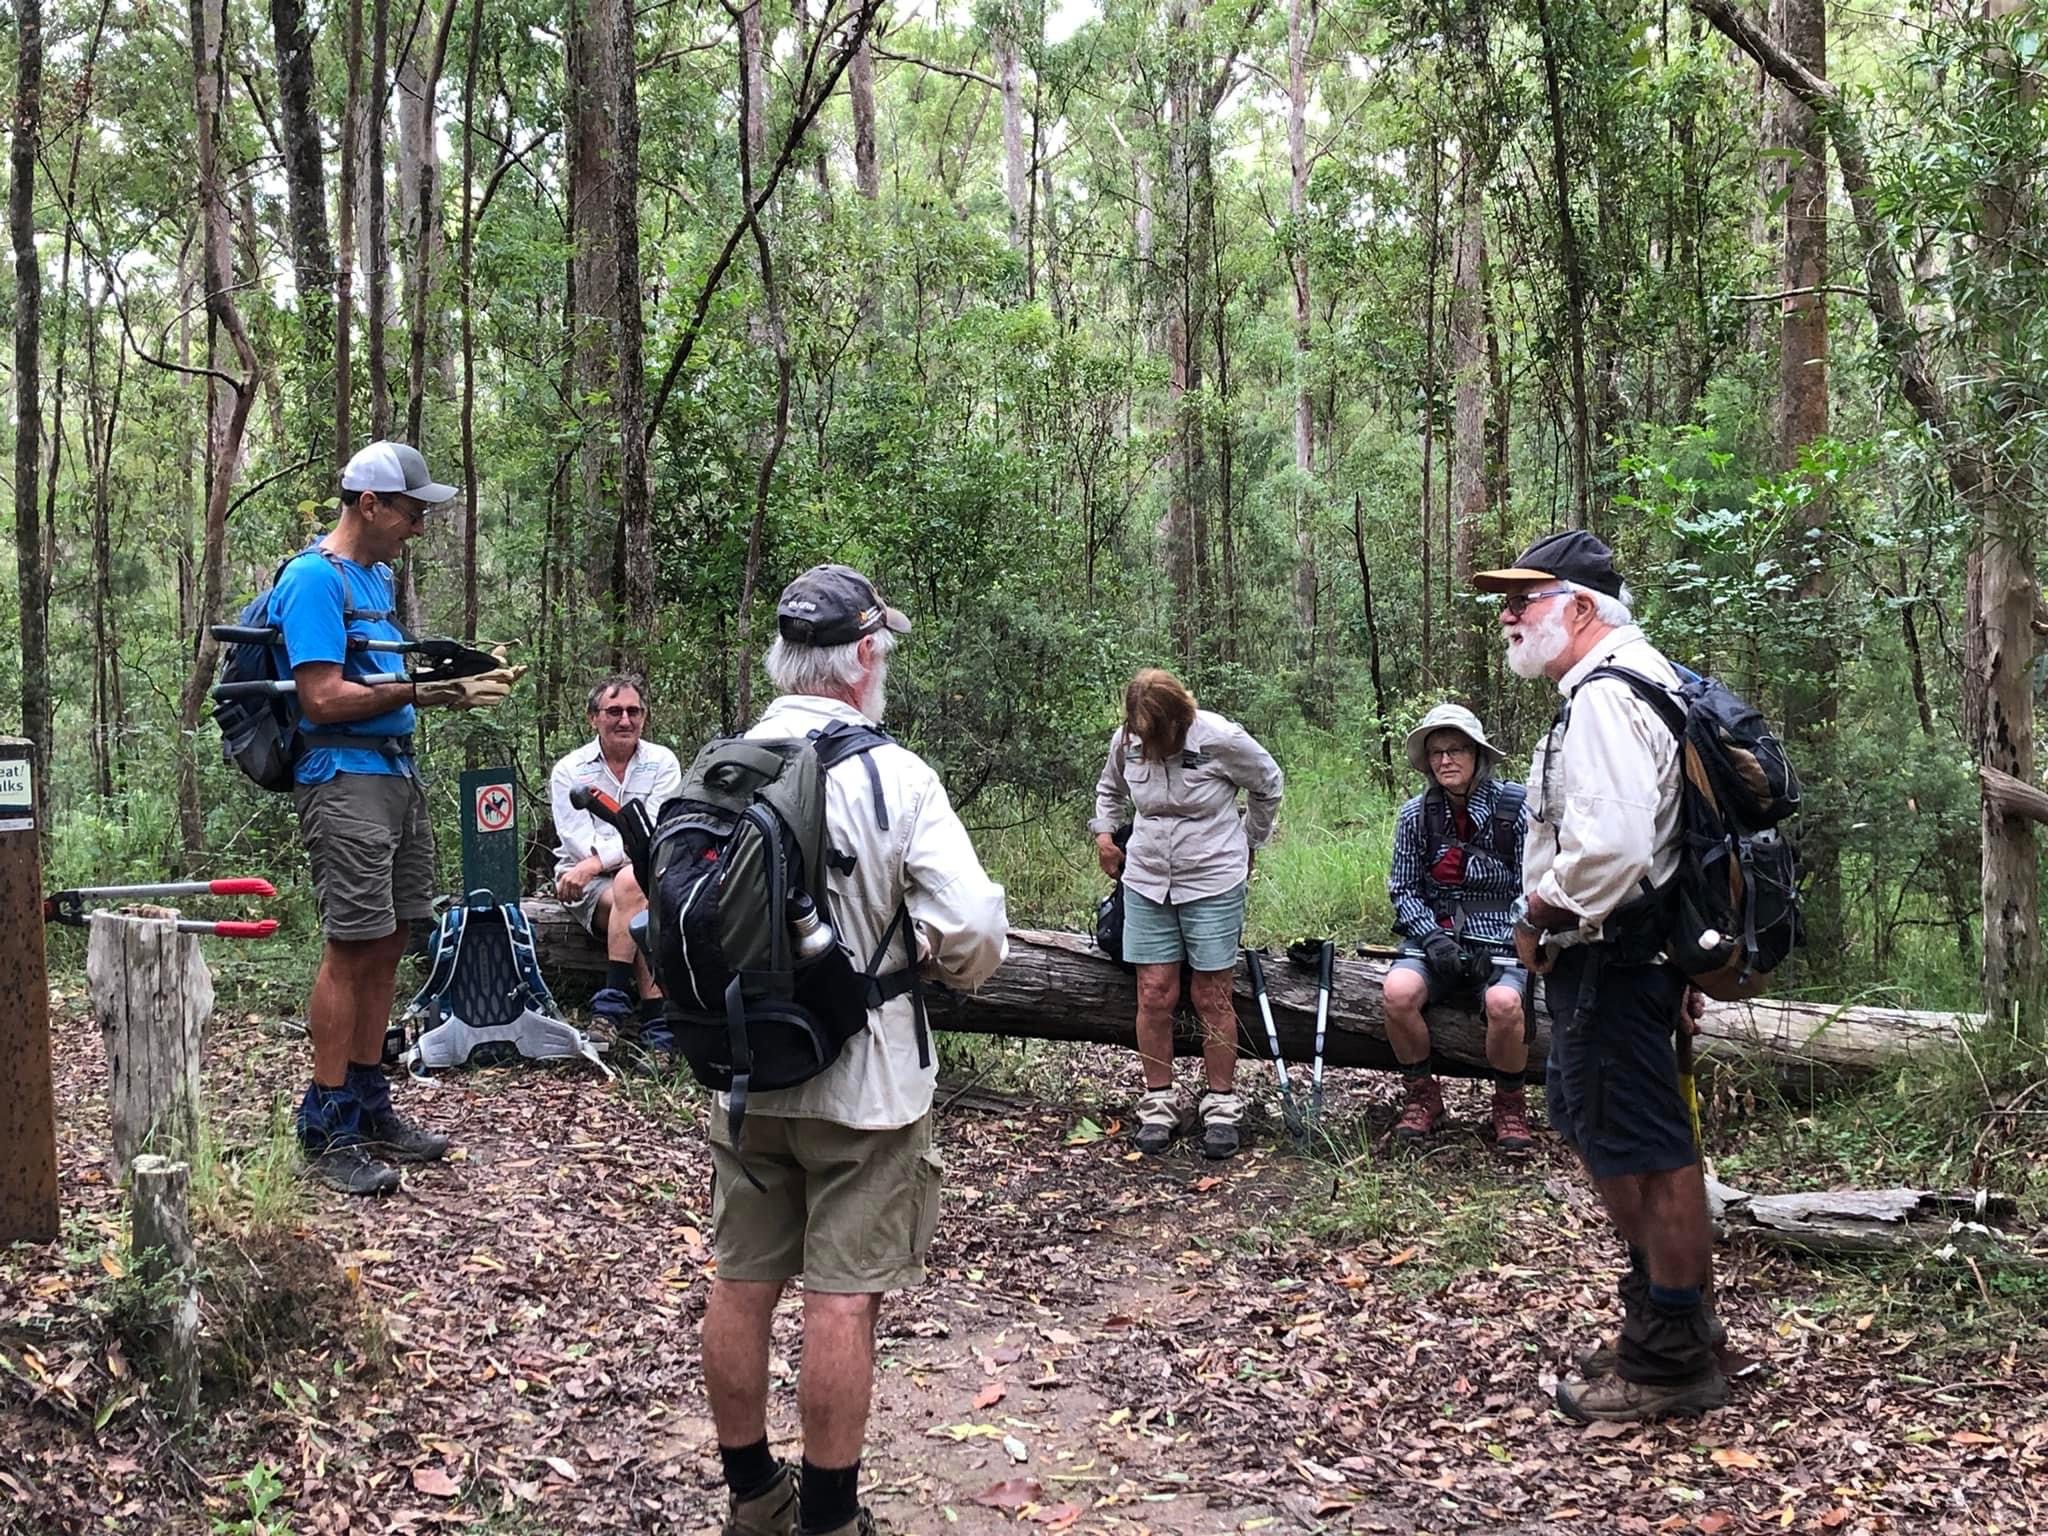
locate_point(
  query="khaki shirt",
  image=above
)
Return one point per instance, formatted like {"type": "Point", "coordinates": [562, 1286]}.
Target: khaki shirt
{"type": "Point", "coordinates": [1603, 790]}
{"type": "Point", "coordinates": [652, 777]}
{"type": "Point", "coordinates": [923, 861]}
{"type": "Point", "coordinates": [1190, 840]}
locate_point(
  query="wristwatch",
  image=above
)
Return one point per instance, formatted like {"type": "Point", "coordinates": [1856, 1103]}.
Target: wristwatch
{"type": "Point", "coordinates": [1518, 914]}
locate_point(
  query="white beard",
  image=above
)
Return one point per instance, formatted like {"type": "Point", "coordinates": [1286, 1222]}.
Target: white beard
{"type": "Point", "coordinates": [1543, 641]}
{"type": "Point", "coordinates": [874, 697]}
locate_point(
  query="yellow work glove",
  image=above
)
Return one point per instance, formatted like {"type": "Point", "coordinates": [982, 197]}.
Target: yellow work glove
{"type": "Point", "coordinates": [483, 691]}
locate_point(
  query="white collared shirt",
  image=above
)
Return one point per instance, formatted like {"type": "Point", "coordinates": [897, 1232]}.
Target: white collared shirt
{"type": "Point", "coordinates": [652, 776]}
{"type": "Point", "coordinates": [1603, 790]}
{"type": "Point", "coordinates": [923, 862]}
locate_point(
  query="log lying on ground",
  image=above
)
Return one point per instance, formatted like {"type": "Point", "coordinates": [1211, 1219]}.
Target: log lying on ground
{"type": "Point", "coordinates": [1058, 986]}
{"type": "Point", "coordinates": [1883, 1221]}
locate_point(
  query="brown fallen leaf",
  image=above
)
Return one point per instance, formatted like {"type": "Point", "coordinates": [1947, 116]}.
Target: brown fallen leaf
{"type": "Point", "coordinates": [562, 1469]}
{"type": "Point", "coordinates": [1715, 1521]}
{"type": "Point", "coordinates": [990, 1395]}
{"type": "Point", "coordinates": [1055, 1517]}
{"type": "Point", "coordinates": [1011, 1493]}
{"type": "Point", "coordinates": [435, 1483]}
{"type": "Point", "coordinates": [1733, 1458]}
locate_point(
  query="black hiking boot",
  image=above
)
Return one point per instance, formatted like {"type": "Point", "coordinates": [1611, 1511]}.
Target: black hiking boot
{"type": "Point", "coordinates": [1160, 1113]}
{"type": "Point", "coordinates": [1221, 1113]}
{"type": "Point", "coordinates": [353, 1170]}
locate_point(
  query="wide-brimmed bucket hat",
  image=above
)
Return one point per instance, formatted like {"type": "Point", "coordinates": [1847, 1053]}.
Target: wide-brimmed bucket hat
{"type": "Point", "coordinates": [1449, 717]}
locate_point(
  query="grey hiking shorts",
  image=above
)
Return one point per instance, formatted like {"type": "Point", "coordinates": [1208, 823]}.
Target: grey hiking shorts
{"type": "Point", "coordinates": [371, 843]}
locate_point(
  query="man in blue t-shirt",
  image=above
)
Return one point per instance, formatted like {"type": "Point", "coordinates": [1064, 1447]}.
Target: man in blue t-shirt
{"type": "Point", "coordinates": [362, 812]}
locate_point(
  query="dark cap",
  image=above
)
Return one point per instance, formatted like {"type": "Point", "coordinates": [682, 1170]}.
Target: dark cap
{"type": "Point", "coordinates": [834, 605]}
{"type": "Point", "coordinates": [1572, 555]}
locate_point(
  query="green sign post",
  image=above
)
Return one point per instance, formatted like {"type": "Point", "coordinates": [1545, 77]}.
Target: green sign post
{"type": "Point", "coordinates": [490, 833]}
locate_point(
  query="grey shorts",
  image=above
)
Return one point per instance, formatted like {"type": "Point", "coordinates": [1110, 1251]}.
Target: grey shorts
{"type": "Point", "coordinates": [1507, 972]}
{"type": "Point", "coordinates": [1204, 932]}
{"type": "Point", "coordinates": [584, 907]}
{"type": "Point", "coordinates": [851, 1211]}
{"type": "Point", "coordinates": [371, 843]}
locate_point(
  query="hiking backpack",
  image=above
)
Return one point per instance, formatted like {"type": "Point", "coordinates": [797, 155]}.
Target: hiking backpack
{"type": "Point", "coordinates": [1732, 908]}
{"type": "Point", "coordinates": [263, 734]}
{"type": "Point", "coordinates": [1495, 837]}
{"type": "Point", "coordinates": [738, 857]}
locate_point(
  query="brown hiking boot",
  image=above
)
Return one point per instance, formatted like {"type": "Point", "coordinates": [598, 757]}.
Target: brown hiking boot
{"type": "Point", "coordinates": [771, 1512]}
{"type": "Point", "coordinates": [862, 1524]}
{"type": "Point", "coordinates": [1511, 1135]}
{"type": "Point", "coordinates": [1425, 1111]}
{"type": "Point", "coordinates": [1603, 1358]}
{"type": "Point", "coordinates": [1612, 1399]}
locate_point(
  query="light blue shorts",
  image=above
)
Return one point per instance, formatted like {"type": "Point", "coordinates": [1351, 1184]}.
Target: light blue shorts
{"type": "Point", "coordinates": [1205, 933]}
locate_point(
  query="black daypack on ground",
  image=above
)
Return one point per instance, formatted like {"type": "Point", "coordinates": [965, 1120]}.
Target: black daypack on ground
{"type": "Point", "coordinates": [263, 734]}
{"type": "Point", "coordinates": [1732, 909]}
{"type": "Point", "coordinates": [739, 856]}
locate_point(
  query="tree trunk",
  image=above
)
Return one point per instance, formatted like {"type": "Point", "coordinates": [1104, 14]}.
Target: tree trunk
{"type": "Point", "coordinates": [1574, 273]}
{"type": "Point", "coordinates": [1468, 422]}
{"type": "Point", "coordinates": [419, 163]}
{"type": "Point", "coordinates": [466, 278]}
{"type": "Point", "coordinates": [1306, 581]}
{"type": "Point", "coordinates": [1433, 251]}
{"type": "Point", "coordinates": [1016, 168]}
{"type": "Point", "coordinates": [312, 256]}
{"type": "Point", "coordinates": [31, 575]}
{"type": "Point", "coordinates": [867, 168]}
{"type": "Point", "coordinates": [377, 232]}
{"type": "Point", "coordinates": [345, 217]}
{"type": "Point", "coordinates": [209, 89]}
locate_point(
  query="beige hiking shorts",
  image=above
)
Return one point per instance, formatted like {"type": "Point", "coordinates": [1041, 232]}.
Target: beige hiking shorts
{"type": "Point", "coordinates": [851, 1211]}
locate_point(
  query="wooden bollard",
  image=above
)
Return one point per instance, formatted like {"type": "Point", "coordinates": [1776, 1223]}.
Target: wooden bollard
{"type": "Point", "coordinates": [160, 1235]}
{"type": "Point", "coordinates": [152, 993]}
{"type": "Point", "coordinates": [28, 1112]}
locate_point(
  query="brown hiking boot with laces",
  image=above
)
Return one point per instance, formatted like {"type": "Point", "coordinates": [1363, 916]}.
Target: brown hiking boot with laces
{"type": "Point", "coordinates": [1511, 1136]}
{"type": "Point", "coordinates": [1425, 1109]}
{"type": "Point", "coordinates": [771, 1512]}
{"type": "Point", "coordinates": [1616, 1400]}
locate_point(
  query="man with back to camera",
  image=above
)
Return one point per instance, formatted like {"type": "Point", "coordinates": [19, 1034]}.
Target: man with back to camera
{"type": "Point", "coordinates": [839, 1183]}
{"type": "Point", "coordinates": [1602, 846]}
{"type": "Point", "coordinates": [362, 810]}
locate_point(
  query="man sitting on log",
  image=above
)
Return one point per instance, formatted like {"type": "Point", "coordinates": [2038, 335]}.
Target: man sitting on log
{"type": "Point", "coordinates": [1456, 869]}
{"type": "Point", "coordinates": [1603, 840]}
{"type": "Point", "coordinates": [592, 875]}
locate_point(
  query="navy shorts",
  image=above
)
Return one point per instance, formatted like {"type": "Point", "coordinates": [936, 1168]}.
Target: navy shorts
{"type": "Point", "coordinates": [1612, 1077]}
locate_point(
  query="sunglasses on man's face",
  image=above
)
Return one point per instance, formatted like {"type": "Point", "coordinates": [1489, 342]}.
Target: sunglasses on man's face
{"type": "Point", "coordinates": [623, 711]}
{"type": "Point", "coordinates": [1518, 604]}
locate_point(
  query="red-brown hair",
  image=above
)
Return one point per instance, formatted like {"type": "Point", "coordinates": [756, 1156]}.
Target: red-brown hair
{"type": "Point", "coordinates": [1158, 709]}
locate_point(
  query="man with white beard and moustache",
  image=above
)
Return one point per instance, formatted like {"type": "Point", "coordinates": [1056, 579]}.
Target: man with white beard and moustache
{"type": "Point", "coordinates": [1602, 847]}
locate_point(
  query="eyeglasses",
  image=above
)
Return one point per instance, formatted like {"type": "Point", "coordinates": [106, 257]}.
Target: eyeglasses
{"type": "Point", "coordinates": [1518, 605]}
{"type": "Point", "coordinates": [415, 512]}
{"type": "Point", "coordinates": [1435, 753]}
{"type": "Point", "coordinates": [623, 711]}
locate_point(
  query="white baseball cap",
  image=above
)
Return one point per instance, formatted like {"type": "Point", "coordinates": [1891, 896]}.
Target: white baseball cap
{"type": "Point", "coordinates": [392, 469]}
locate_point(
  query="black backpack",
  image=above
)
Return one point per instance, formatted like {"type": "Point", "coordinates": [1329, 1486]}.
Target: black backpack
{"type": "Point", "coordinates": [262, 733]}
{"type": "Point", "coordinates": [738, 865]}
{"type": "Point", "coordinates": [1731, 912]}
{"type": "Point", "coordinates": [1495, 837]}
{"type": "Point", "coordinates": [1109, 912]}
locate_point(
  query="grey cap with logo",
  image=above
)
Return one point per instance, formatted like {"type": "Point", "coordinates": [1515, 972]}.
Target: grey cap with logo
{"type": "Point", "coordinates": [834, 605]}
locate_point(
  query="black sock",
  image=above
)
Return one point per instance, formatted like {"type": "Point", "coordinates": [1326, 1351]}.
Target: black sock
{"type": "Point", "coordinates": [653, 1009]}
{"type": "Point", "coordinates": [749, 1469]}
{"type": "Point", "coordinates": [618, 974]}
{"type": "Point", "coordinates": [1638, 1261]}
{"type": "Point", "coordinates": [830, 1496]}
{"type": "Point", "coordinates": [1415, 1069]}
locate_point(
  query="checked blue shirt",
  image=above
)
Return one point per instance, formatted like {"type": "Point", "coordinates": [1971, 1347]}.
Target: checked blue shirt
{"type": "Point", "coordinates": [1493, 877]}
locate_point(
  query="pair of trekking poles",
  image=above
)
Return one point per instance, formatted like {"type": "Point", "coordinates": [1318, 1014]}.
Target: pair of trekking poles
{"type": "Point", "coordinates": [1322, 954]}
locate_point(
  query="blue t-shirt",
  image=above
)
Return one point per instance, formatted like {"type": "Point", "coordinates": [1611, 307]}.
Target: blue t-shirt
{"type": "Point", "coordinates": [306, 604]}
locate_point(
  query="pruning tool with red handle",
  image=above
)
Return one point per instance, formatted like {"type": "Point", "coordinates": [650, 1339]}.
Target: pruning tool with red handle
{"type": "Point", "coordinates": [69, 907]}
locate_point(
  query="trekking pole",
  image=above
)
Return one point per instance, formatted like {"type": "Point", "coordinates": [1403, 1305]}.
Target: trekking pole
{"type": "Point", "coordinates": [1325, 969]}
{"type": "Point", "coordinates": [1290, 1115]}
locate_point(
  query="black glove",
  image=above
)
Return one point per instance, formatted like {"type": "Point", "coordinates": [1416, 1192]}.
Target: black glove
{"type": "Point", "coordinates": [1478, 965]}
{"type": "Point", "coordinates": [1445, 957]}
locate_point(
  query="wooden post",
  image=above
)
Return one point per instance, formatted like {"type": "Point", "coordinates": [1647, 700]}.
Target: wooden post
{"type": "Point", "coordinates": [28, 1106]}
{"type": "Point", "coordinates": [152, 993]}
{"type": "Point", "coordinates": [160, 1234]}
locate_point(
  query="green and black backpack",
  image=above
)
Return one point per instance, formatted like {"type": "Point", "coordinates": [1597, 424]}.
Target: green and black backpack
{"type": "Point", "coordinates": [761, 995]}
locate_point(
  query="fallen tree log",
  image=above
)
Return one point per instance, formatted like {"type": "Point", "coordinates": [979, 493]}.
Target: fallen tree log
{"type": "Point", "coordinates": [1058, 986]}
{"type": "Point", "coordinates": [1882, 1221]}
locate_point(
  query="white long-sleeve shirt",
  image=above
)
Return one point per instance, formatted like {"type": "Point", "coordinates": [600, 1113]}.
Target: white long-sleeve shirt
{"type": "Point", "coordinates": [1189, 840]}
{"type": "Point", "coordinates": [1603, 789]}
{"type": "Point", "coordinates": [923, 862]}
{"type": "Point", "coordinates": [653, 776]}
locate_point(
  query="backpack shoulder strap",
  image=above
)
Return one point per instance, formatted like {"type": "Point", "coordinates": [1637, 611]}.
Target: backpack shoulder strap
{"type": "Point", "coordinates": [1655, 694]}
{"type": "Point", "coordinates": [843, 739]}
{"type": "Point", "coordinates": [1507, 814]}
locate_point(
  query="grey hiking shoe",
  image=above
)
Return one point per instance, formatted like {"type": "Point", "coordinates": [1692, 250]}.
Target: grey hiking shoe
{"type": "Point", "coordinates": [1221, 1113]}
{"type": "Point", "coordinates": [1160, 1113]}
{"type": "Point", "coordinates": [1615, 1400]}
{"type": "Point", "coordinates": [396, 1137]}
{"type": "Point", "coordinates": [354, 1170]}
{"type": "Point", "coordinates": [771, 1512]}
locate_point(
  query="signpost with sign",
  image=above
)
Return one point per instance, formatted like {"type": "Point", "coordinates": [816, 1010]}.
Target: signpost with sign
{"type": "Point", "coordinates": [28, 1109]}
{"type": "Point", "coordinates": [490, 833]}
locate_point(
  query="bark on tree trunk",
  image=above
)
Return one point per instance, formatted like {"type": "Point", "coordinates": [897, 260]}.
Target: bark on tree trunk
{"type": "Point", "coordinates": [312, 256]}
{"type": "Point", "coordinates": [466, 277]}
{"type": "Point", "coordinates": [1468, 426]}
{"type": "Point", "coordinates": [867, 168]}
{"type": "Point", "coordinates": [152, 994]}
{"type": "Point", "coordinates": [1016, 169]}
{"type": "Point", "coordinates": [1300, 29]}
{"type": "Point", "coordinates": [1574, 273]}
{"type": "Point", "coordinates": [377, 233]}
{"type": "Point", "coordinates": [345, 242]}
{"type": "Point", "coordinates": [31, 576]}
{"type": "Point", "coordinates": [420, 203]}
